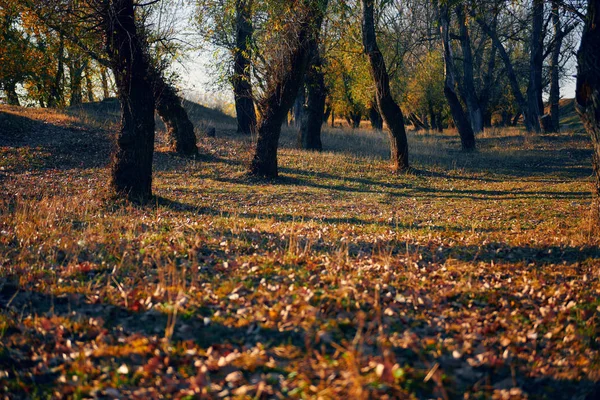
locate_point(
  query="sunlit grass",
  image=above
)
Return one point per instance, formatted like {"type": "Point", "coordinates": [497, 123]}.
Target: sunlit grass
{"type": "Point", "coordinates": [474, 273]}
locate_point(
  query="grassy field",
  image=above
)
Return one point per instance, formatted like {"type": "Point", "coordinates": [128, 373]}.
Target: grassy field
{"type": "Point", "coordinates": [474, 276]}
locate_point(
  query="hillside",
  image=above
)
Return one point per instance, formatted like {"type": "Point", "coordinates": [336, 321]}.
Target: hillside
{"type": "Point", "coordinates": [474, 276]}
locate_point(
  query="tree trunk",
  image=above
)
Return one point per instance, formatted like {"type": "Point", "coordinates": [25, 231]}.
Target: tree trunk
{"type": "Point", "coordinates": [532, 122]}
{"type": "Point", "coordinates": [76, 68]}
{"type": "Point", "coordinates": [12, 98]}
{"type": "Point", "coordinates": [389, 109]}
{"type": "Point", "coordinates": [241, 81]}
{"type": "Point", "coordinates": [536, 64]}
{"type": "Point", "coordinates": [280, 93]}
{"type": "Point", "coordinates": [467, 137]}
{"type": "Point", "coordinates": [309, 134]}
{"type": "Point", "coordinates": [587, 98]}
{"type": "Point", "coordinates": [180, 130]}
{"type": "Point", "coordinates": [55, 98]}
{"type": "Point", "coordinates": [375, 116]}
{"type": "Point", "coordinates": [554, 98]}
{"type": "Point", "coordinates": [470, 96]}
{"type": "Point", "coordinates": [132, 161]}
{"type": "Point", "coordinates": [298, 107]}
{"type": "Point", "coordinates": [89, 85]}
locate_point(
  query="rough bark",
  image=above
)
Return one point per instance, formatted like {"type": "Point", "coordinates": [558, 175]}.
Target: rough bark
{"type": "Point", "coordinates": [241, 82]}
{"type": "Point", "coordinates": [131, 175]}
{"type": "Point", "coordinates": [554, 97]}
{"type": "Point", "coordinates": [587, 98]}
{"type": "Point", "coordinates": [180, 130]}
{"type": "Point", "coordinates": [281, 92]}
{"type": "Point", "coordinates": [309, 134]}
{"type": "Point", "coordinates": [465, 130]}
{"type": "Point", "coordinates": [470, 95]}
{"type": "Point", "coordinates": [389, 109]}
{"type": "Point", "coordinates": [536, 64]}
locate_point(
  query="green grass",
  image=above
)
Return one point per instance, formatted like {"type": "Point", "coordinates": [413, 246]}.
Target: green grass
{"type": "Point", "coordinates": [475, 273]}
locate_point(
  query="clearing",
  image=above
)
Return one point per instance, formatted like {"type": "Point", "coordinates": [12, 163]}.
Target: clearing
{"type": "Point", "coordinates": [477, 274]}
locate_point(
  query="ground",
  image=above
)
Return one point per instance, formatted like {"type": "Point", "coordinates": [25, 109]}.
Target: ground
{"type": "Point", "coordinates": [476, 275]}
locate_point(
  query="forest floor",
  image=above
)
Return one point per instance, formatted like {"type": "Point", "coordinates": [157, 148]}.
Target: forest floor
{"type": "Point", "coordinates": [474, 276]}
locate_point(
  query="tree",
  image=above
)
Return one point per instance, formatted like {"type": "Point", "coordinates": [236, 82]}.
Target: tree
{"type": "Point", "coordinates": [131, 174]}
{"type": "Point", "coordinates": [389, 109]}
{"type": "Point", "coordinates": [290, 56]}
{"type": "Point", "coordinates": [465, 130]}
{"type": "Point", "coordinates": [309, 134]}
{"type": "Point", "coordinates": [241, 81]}
{"type": "Point", "coordinates": [587, 97]}
{"type": "Point", "coordinates": [228, 25]}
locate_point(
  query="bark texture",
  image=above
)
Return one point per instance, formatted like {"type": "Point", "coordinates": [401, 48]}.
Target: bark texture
{"type": "Point", "coordinates": [282, 90]}
{"type": "Point", "coordinates": [241, 82]}
{"type": "Point", "coordinates": [389, 109]}
{"type": "Point", "coordinates": [180, 130]}
{"type": "Point", "coordinates": [587, 98]}
{"type": "Point", "coordinates": [536, 64]}
{"type": "Point", "coordinates": [131, 175]}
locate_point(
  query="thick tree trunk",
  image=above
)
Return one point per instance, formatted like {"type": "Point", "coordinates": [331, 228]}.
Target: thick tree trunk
{"type": "Point", "coordinates": [532, 122]}
{"type": "Point", "coordinates": [488, 86]}
{"type": "Point", "coordinates": [10, 89]}
{"type": "Point", "coordinates": [280, 94]}
{"type": "Point", "coordinates": [180, 130]}
{"type": "Point", "coordinates": [465, 130]}
{"type": "Point", "coordinates": [132, 162]}
{"type": "Point", "coordinates": [388, 108]}
{"type": "Point", "coordinates": [309, 134]}
{"type": "Point", "coordinates": [470, 96]}
{"type": "Point", "coordinates": [554, 98]}
{"type": "Point", "coordinates": [536, 64]}
{"type": "Point", "coordinates": [242, 86]}
{"type": "Point", "coordinates": [587, 98]}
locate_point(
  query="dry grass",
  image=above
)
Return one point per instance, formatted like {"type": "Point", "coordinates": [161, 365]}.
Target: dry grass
{"type": "Point", "coordinates": [475, 275]}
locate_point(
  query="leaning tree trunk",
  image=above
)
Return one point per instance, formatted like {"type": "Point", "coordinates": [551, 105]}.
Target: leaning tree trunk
{"type": "Point", "coordinates": [532, 122]}
{"type": "Point", "coordinates": [554, 97]}
{"type": "Point", "coordinates": [241, 82]}
{"type": "Point", "coordinates": [281, 92]}
{"type": "Point", "coordinates": [470, 96]}
{"type": "Point", "coordinates": [89, 85]}
{"type": "Point", "coordinates": [389, 109]}
{"type": "Point", "coordinates": [465, 130]}
{"type": "Point", "coordinates": [587, 98]}
{"type": "Point", "coordinates": [180, 130]}
{"type": "Point", "coordinates": [309, 134]}
{"type": "Point", "coordinates": [132, 161]}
